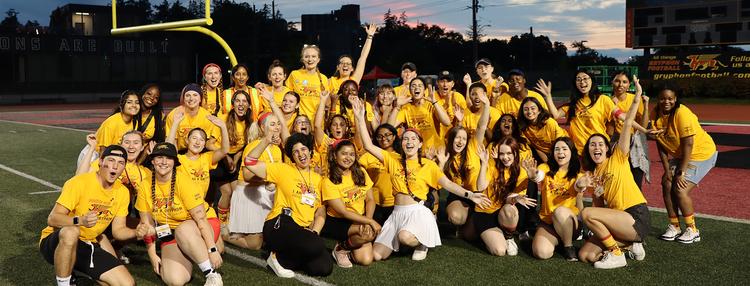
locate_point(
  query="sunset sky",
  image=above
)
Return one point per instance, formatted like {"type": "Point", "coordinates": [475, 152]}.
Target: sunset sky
{"type": "Point", "coordinates": [600, 22]}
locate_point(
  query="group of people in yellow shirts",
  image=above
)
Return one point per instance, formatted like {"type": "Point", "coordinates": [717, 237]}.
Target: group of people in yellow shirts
{"type": "Point", "coordinates": [305, 156]}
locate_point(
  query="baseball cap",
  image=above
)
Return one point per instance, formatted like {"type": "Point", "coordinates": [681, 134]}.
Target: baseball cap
{"type": "Point", "coordinates": [409, 65]}
{"type": "Point", "coordinates": [445, 75]}
{"type": "Point", "coordinates": [516, 72]}
{"type": "Point", "coordinates": [115, 150]}
{"type": "Point", "coordinates": [483, 61]}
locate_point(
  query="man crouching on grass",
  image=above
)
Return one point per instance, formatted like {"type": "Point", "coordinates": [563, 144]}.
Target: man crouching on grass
{"type": "Point", "coordinates": [86, 207]}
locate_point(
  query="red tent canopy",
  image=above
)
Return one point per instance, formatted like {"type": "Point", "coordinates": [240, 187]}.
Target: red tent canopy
{"type": "Point", "coordinates": [377, 73]}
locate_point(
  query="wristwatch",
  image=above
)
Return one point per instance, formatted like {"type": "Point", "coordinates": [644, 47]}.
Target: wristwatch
{"type": "Point", "coordinates": [678, 173]}
{"type": "Point", "coordinates": [75, 220]}
{"type": "Point", "coordinates": [213, 249]}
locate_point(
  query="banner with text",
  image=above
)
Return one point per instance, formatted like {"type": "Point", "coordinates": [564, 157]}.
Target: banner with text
{"type": "Point", "coordinates": [699, 65]}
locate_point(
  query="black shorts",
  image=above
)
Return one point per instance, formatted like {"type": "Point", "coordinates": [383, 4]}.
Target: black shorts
{"type": "Point", "coordinates": [336, 228]}
{"type": "Point", "coordinates": [551, 229]}
{"type": "Point", "coordinates": [484, 221]}
{"type": "Point", "coordinates": [452, 197]}
{"type": "Point", "coordinates": [642, 218]}
{"type": "Point", "coordinates": [92, 264]}
{"type": "Point", "coordinates": [222, 174]}
{"type": "Point", "coordinates": [382, 214]}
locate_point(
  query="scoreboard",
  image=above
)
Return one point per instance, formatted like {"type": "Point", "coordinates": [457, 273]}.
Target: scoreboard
{"type": "Point", "coordinates": [669, 23]}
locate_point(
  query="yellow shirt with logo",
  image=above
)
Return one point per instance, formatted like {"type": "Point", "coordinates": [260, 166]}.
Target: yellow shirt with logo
{"type": "Point", "coordinates": [308, 86]}
{"type": "Point", "coordinates": [295, 189]}
{"type": "Point", "coordinates": [449, 104]}
{"type": "Point", "coordinates": [150, 130]}
{"type": "Point", "coordinates": [421, 118]}
{"type": "Point", "coordinates": [272, 154]}
{"type": "Point", "coordinates": [382, 188]}
{"type": "Point", "coordinates": [620, 189]}
{"type": "Point", "coordinates": [589, 120]}
{"type": "Point", "coordinates": [471, 120]}
{"type": "Point", "coordinates": [494, 190]}
{"type": "Point", "coordinates": [335, 83]}
{"type": "Point", "coordinates": [240, 128]}
{"type": "Point", "coordinates": [111, 130]}
{"type": "Point", "coordinates": [541, 138]}
{"type": "Point", "coordinates": [188, 123]}
{"type": "Point", "coordinates": [353, 196]}
{"type": "Point", "coordinates": [210, 101]}
{"type": "Point", "coordinates": [509, 104]}
{"type": "Point", "coordinates": [198, 169]}
{"type": "Point", "coordinates": [84, 193]}
{"type": "Point", "coordinates": [132, 177]}
{"type": "Point", "coordinates": [278, 97]}
{"type": "Point", "coordinates": [369, 114]}
{"type": "Point", "coordinates": [624, 106]}
{"type": "Point", "coordinates": [401, 90]}
{"type": "Point", "coordinates": [173, 210]}
{"type": "Point", "coordinates": [420, 178]}
{"type": "Point", "coordinates": [684, 124]}
{"type": "Point", "coordinates": [556, 191]}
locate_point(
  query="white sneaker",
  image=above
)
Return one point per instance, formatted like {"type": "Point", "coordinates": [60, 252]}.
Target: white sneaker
{"type": "Point", "coordinates": [512, 249]}
{"type": "Point", "coordinates": [420, 253]}
{"type": "Point", "coordinates": [637, 251]}
{"type": "Point", "coordinates": [341, 257]}
{"type": "Point", "coordinates": [689, 236]}
{"type": "Point", "coordinates": [277, 268]}
{"type": "Point", "coordinates": [671, 233]}
{"type": "Point", "coordinates": [214, 279]}
{"type": "Point", "coordinates": [611, 261]}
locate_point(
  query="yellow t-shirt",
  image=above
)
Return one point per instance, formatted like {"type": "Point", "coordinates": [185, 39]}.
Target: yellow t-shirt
{"type": "Point", "coordinates": [351, 195]}
{"type": "Point", "coordinates": [382, 189]}
{"type": "Point", "coordinates": [557, 191]}
{"type": "Point", "coordinates": [369, 114]}
{"type": "Point", "coordinates": [614, 175]}
{"type": "Point", "coordinates": [209, 101]}
{"type": "Point", "coordinates": [684, 124]}
{"type": "Point", "coordinates": [541, 138]}
{"type": "Point", "coordinates": [491, 84]}
{"type": "Point", "coordinates": [111, 130]}
{"type": "Point", "coordinates": [493, 190]}
{"type": "Point", "coordinates": [421, 118]}
{"type": "Point", "coordinates": [420, 178]}
{"type": "Point", "coordinates": [471, 120]}
{"type": "Point", "coordinates": [467, 180]}
{"type": "Point", "coordinates": [198, 169]}
{"type": "Point", "coordinates": [334, 83]}
{"type": "Point", "coordinates": [134, 174]}
{"type": "Point", "coordinates": [457, 99]}
{"type": "Point", "coordinates": [188, 123]}
{"type": "Point", "coordinates": [589, 120]}
{"type": "Point", "coordinates": [401, 90]}
{"type": "Point", "coordinates": [297, 190]}
{"type": "Point", "coordinates": [82, 194]}
{"type": "Point", "coordinates": [254, 100]}
{"type": "Point", "coordinates": [241, 131]}
{"type": "Point", "coordinates": [624, 106]}
{"type": "Point", "coordinates": [272, 154]}
{"type": "Point", "coordinates": [150, 130]}
{"type": "Point", "coordinates": [308, 86]}
{"type": "Point", "coordinates": [173, 211]}
{"type": "Point", "coordinates": [509, 104]}
{"type": "Point", "coordinates": [278, 97]}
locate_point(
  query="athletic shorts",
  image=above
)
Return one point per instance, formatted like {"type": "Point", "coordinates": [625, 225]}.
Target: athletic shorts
{"type": "Point", "coordinates": [91, 259]}
{"type": "Point", "coordinates": [642, 218]}
{"type": "Point", "coordinates": [382, 213]}
{"type": "Point", "coordinates": [336, 228]}
{"type": "Point", "coordinates": [696, 170]}
{"type": "Point", "coordinates": [484, 221]}
{"type": "Point", "coordinates": [215, 225]}
{"type": "Point", "coordinates": [221, 172]}
{"type": "Point", "coordinates": [452, 197]}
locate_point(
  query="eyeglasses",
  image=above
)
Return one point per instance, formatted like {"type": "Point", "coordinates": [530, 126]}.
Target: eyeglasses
{"type": "Point", "coordinates": [345, 64]}
{"type": "Point", "coordinates": [384, 136]}
{"type": "Point", "coordinates": [582, 79]}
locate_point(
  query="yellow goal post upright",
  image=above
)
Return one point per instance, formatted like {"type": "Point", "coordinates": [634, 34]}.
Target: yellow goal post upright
{"type": "Point", "coordinates": [194, 25]}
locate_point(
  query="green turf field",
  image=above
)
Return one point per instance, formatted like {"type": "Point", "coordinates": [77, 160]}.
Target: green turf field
{"type": "Point", "coordinates": [49, 154]}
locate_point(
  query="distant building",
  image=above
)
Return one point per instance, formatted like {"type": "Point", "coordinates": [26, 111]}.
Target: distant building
{"type": "Point", "coordinates": [79, 55]}
{"type": "Point", "coordinates": [337, 33]}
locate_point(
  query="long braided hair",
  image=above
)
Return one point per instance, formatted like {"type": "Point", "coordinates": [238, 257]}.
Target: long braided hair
{"type": "Point", "coordinates": [170, 201]}
{"type": "Point", "coordinates": [218, 93]}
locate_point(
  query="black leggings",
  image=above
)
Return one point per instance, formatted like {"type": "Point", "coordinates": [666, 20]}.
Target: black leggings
{"type": "Point", "coordinates": [297, 248]}
{"type": "Point", "coordinates": [528, 219]}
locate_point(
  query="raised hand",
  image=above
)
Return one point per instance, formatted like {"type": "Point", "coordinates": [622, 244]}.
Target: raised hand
{"type": "Point", "coordinates": [467, 79]}
{"type": "Point", "coordinates": [403, 100]}
{"type": "Point", "coordinates": [638, 88]}
{"type": "Point", "coordinates": [216, 121]}
{"type": "Point", "coordinates": [484, 156]}
{"type": "Point", "coordinates": [545, 88]}
{"type": "Point", "coordinates": [442, 155]}
{"type": "Point", "coordinates": [91, 140]}
{"type": "Point", "coordinates": [585, 182]}
{"type": "Point", "coordinates": [493, 152]}
{"type": "Point", "coordinates": [458, 112]}
{"type": "Point", "coordinates": [357, 107]}
{"type": "Point", "coordinates": [371, 29]}
{"type": "Point", "coordinates": [530, 166]}
{"type": "Point", "coordinates": [179, 114]}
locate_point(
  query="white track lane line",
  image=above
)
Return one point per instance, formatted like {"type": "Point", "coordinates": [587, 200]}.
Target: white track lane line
{"type": "Point", "coordinates": [35, 179]}
{"type": "Point", "coordinates": [700, 215]}
{"type": "Point", "coordinates": [47, 126]}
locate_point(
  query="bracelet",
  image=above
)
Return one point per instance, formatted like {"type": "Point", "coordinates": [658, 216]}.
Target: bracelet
{"type": "Point", "coordinates": [370, 36]}
{"type": "Point", "coordinates": [250, 161]}
{"type": "Point", "coordinates": [433, 103]}
{"type": "Point", "coordinates": [149, 239]}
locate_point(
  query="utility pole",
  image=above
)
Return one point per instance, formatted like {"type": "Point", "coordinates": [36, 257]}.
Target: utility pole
{"type": "Point", "coordinates": [531, 48]}
{"type": "Point", "coordinates": [273, 9]}
{"type": "Point", "coordinates": [474, 32]}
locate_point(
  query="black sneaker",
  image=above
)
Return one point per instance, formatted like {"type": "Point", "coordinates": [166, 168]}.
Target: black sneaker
{"type": "Point", "coordinates": [570, 253]}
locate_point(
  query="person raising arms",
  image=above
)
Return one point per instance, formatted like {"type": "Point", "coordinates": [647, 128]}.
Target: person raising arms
{"type": "Point", "coordinates": [408, 73]}
{"type": "Point", "coordinates": [194, 116]}
{"type": "Point", "coordinates": [510, 101]}
{"type": "Point", "coordinates": [625, 218]}
{"type": "Point", "coordinates": [419, 111]}
{"type": "Point", "coordinates": [344, 70]}
{"type": "Point", "coordinates": [386, 138]}
{"type": "Point", "coordinates": [411, 223]}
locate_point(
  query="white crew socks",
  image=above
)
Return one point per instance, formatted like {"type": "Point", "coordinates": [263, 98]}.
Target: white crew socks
{"type": "Point", "coordinates": [63, 281]}
{"type": "Point", "coordinates": [206, 267]}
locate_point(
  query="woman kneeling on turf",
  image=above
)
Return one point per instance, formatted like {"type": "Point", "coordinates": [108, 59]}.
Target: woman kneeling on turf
{"type": "Point", "coordinates": [291, 228]}
{"type": "Point", "coordinates": [626, 218]}
{"type": "Point", "coordinates": [186, 227]}
{"type": "Point", "coordinates": [562, 199]}
{"type": "Point", "coordinates": [411, 223]}
{"type": "Point", "coordinates": [347, 193]}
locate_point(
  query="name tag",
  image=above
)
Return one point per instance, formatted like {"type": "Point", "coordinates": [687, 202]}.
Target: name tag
{"type": "Point", "coordinates": [308, 199]}
{"type": "Point", "coordinates": [163, 231]}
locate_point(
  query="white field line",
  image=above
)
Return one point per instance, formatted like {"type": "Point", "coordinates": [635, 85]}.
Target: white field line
{"type": "Point", "coordinates": [47, 126]}
{"type": "Point", "coordinates": [725, 124]}
{"type": "Point", "coordinates": [700, 215]}
{"type": "Point", "coordinates": [35, 179]}
{"type": "Point", "coordinates": [262, 264]}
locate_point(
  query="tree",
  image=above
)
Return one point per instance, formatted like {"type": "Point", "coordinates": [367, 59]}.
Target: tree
{"type": "Point", "coordinates": [143, 8]}
{"type": "Point", "coordinates": [195, 9]}
{"type": "Point", "coordinates": [161, 14]}
{"type": "Point", "coordinates": [10, 24]}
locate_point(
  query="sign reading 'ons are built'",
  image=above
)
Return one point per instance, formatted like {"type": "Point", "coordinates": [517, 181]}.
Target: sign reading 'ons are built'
{"type": "Point", "coordinates": [87, 45]}
{"type": "Point", "coordinates": [699, 65]}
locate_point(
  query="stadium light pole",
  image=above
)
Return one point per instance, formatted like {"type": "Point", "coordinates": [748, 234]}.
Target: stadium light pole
{"type": "Point", "coordinates": [474, 32]}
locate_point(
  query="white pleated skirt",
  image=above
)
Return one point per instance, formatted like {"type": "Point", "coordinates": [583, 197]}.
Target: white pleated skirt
{"type": "Point", "coordinates": [416, 219]}
{"type": "Point", "coordinates": [249, 207]}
